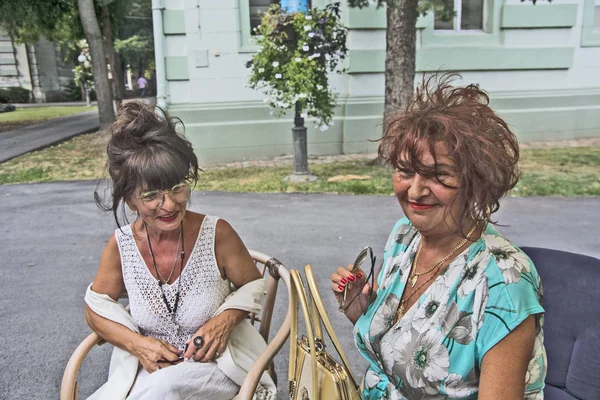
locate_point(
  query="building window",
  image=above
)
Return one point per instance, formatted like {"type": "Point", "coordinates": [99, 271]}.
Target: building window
{"type": "Point", "coordinates": [597, 15]}
{"type": "Point", "coordinates": [468, 15]}
{"type": "Point", "coordinates": [257, 9]}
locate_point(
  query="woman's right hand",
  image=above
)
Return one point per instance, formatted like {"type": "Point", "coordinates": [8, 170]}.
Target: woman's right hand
{"type": "Point", "coordinates": [357, 291]}
{"type": "Point", "coordinates": [155, 354]}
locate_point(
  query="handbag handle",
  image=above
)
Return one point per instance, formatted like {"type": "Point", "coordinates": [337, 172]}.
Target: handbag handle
{"type": "Point", "coordinates": [322, 313]}
{"type": "Point", "coordinates": [302, 299]}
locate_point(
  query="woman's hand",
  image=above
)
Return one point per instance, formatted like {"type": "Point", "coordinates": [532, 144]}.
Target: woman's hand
{"type": "Point", "coordinates": [215, 333]}
{"type": "Point", "coordinates": [155, 354]}
{"type": "Point", "coordinates": [357, 291]}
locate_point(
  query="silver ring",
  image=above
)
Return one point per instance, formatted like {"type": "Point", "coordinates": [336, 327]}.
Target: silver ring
{"type": "Point", "coordinates": [198, 341]}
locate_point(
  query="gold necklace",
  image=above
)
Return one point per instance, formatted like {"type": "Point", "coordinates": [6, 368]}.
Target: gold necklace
{"type": "Point", "coordinates": [414, 275]}
{"type": "Point", "coordinates": [400, 311]}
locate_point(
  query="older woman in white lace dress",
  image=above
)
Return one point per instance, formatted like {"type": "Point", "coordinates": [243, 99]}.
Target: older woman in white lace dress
{"type": "Point", "coordinates": [177, 266]}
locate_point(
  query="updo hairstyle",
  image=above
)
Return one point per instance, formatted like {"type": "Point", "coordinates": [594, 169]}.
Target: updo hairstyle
{"type": "Point", "coordinates": [145, 152]}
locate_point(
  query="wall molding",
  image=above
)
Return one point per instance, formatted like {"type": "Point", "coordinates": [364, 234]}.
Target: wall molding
{"type": "Point", "coordinates": [174, 22]}
{"type": "Point", "coordinates": [177, 68]}
{"type": "Point", "coordinates": [528, 15]}
{"type": "Point", "coordinates": [230, 131]}
{"type": "Point", "coordinates": [431, 59]}
{"type": "Point", "coordinates": [590, 37]}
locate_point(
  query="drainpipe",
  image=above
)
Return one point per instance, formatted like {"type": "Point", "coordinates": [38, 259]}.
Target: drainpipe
{"type": "Point", "coordinates": [159, 53]}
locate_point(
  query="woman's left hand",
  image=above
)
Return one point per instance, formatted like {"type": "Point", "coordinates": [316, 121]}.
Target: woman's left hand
{"type": "Point", "coordinates": [215, 334]}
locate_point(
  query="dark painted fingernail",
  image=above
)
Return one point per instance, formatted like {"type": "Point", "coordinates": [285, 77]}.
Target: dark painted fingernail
{"type": "Point", "coordinates": [351, 278]}
{"type": "Point", "coordinates": [344, 281]}
{"type": "Point", "coordinates": [358, 275]}
{"type": "Point", "coordinates": [340, 287]}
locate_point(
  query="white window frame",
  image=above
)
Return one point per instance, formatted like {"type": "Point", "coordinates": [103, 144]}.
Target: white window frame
{"type": "Point", "coordinates": [458, 19]}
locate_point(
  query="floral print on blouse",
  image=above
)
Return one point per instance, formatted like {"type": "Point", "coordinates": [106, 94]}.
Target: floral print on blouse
{"type": "Point", "coordinates": [435, 350]}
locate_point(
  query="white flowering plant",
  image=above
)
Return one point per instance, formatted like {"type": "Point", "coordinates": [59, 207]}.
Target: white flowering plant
{"type": "Point", "coordinates": [297, 51]}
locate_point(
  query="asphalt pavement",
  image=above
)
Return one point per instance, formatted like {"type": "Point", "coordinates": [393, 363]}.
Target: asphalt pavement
{"type": "Point", "coordinates": [35, 137]}
{"type": "Point", "coordinates": [53, 236]}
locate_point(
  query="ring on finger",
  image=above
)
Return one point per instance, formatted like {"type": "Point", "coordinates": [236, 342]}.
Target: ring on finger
{"type": "Point", "coordinates": [198, 341]}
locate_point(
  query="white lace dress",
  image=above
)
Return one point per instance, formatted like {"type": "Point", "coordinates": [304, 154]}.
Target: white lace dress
{"type": "Point", "coordinates": [202, 291]}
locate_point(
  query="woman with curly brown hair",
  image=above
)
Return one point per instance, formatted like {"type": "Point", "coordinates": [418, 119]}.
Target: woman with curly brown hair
{"type": "Point", "coordinates": [185, 330]}
{"type": "Point", "coordinates": [456, 309]}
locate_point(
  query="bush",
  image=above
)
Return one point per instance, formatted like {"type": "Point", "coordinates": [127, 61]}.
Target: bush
{"type": "Point", "coordinates": [73, 92]}
{"type": "Point", "coordinates": [14, 94]}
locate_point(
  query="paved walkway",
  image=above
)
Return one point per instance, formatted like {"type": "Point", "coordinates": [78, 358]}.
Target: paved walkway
{"type": "Point", "coordinates": [34, 137]}
{"type": "Point", "coordinates": [53, 236]}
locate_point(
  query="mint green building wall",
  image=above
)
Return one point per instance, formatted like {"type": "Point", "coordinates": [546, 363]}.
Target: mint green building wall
{"type": "Point", "coordinates": [540, 64]}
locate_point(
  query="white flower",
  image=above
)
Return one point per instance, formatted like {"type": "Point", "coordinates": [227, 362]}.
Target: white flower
{"type": "Point", "coordinates": [424, 357]}
{"type": "Point", "coordinates": [534, 369]}
{"type": "Point", "coordinates": [472, 274]}
{"type": "Point", "coordinates": [433, 308]}
{"type": "Point", "coordinates": [278, 76]}
{"type": "Point", "coordinates": [384, 315]}
{"type": "Point", "coordinates": [319, 87]}
{"type": "Point", "coordinates": [305, 48]}
{"type": "Point", "coordinates": [316, 55]}
{"type": "Point", "coordinates": [323, 127]}
{"type": "Point", "coordinates": [309, 17]}
{"type": "Point", "coordinates": [298, 59]}
{"type": "Point", "coordinates": [371, 379]}
{"type": "Point", "coordinates": [261, 70]}
{"type": "Point", "coordinates": [311, 34]}
{"type": "Point", "coordinates": [276, 63]}
{"type": "Point", "coordinates": [302, 96]}
{"type": "Point", "coordinates": [456, 388]}
{"type": "Point", "coordinates": [510, 260]}
{"type": "Point", "coordinates": [482, 294]}
{"type": "Point", "coordinates": [307, 28]}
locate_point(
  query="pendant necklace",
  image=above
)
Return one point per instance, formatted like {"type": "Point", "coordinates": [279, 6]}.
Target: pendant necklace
{"type": "Point", "coordinates": [172, 310]}
{"type": "Point", "coordinates": [414, 275]}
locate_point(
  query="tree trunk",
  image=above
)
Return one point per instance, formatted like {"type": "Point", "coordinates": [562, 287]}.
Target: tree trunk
{"type": "Point", "coordinates": [89, 21]}
{"type": "Point", "coordinates": [112, 56]}
{"type": "Point", "coordinates": [401, 36]}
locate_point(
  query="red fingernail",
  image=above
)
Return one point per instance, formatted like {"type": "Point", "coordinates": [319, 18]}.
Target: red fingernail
{"type": "Point", "coordinates": [351, 278]}
{"type": "Point", "coordinates": [344, 281]}
{"type": "Point", "coordinates": [340, 287]}
{"type": "Point", "coordinates": [359, 275]}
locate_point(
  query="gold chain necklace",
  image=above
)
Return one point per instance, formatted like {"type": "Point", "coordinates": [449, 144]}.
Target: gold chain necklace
{"type": "Point", "coordinates": [414, 275]}
{"type": "Point", "coordinates": [400, 311]}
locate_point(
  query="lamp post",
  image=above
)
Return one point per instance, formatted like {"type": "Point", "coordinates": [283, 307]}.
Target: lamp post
{"type": "Point", "coordinates": [82, 59]}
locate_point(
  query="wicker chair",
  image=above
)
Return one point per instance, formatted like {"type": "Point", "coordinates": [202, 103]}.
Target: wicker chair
{"type": "Point", "coordinates": [69, 388]}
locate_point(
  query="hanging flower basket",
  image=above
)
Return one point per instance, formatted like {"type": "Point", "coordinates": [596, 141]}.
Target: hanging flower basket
{"type": "Point", "coordinates": [297, 52]}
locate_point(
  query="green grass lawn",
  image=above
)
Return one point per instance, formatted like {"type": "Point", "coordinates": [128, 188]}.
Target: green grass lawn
{"type": "Point", "coordinates": [22, 117]}
{"type": "Point", "coordinates": [546, 172]}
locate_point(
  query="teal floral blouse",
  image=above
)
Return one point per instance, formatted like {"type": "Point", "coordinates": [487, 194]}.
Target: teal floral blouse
{"type": "Point", "coordinates": [435, 350]}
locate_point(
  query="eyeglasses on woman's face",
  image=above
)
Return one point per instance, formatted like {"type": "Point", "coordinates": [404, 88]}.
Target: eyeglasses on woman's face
{"type": "Point", "coordinates": [154, 199]}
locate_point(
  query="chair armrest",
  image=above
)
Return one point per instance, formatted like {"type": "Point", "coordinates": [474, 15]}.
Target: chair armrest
{"type": "Point", "coordinates": [262, 363]}
{"type": "Point", "coordinates": [68, 388]}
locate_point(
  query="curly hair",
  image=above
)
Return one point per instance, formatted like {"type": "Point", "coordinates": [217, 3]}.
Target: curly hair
{"type": "Point", "coordinates": [482, 146]}
{"type": "Point", "coordinates": [145, 151]}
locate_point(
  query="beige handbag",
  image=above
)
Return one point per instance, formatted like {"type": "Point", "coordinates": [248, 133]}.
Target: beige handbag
{"type": "Point", "coordinates": [314, 374]}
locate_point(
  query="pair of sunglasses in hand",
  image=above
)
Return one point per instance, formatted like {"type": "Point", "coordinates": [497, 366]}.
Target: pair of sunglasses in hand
{"type": "Point", "coordinates": [367, 252]}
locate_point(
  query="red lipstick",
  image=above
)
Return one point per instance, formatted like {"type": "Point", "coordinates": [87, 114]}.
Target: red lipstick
{"type": "Point", "coordinates": [420, 206]}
